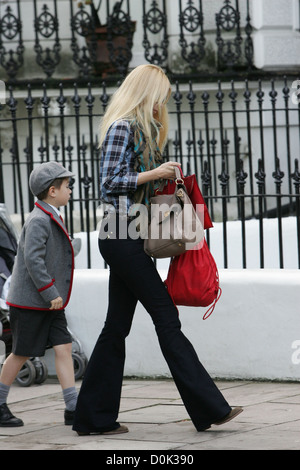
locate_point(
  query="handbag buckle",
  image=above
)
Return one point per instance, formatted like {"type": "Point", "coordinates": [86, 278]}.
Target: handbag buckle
{"type": "Point", "coordinates": [179, 181]}
{"type": "Point", "coordinates": [180, 193]}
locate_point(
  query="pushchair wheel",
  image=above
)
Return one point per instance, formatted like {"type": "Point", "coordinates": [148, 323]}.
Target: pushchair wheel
{"type": "Point", "coordinates": [40, 369]}
{"type": "Point", "coordinates": [79, 363]}
{"type": "Point", "coordinates": [27, 374]}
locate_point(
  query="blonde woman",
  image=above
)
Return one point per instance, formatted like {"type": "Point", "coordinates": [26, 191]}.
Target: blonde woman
{"type": "Point", "coordinates": [133, 133]}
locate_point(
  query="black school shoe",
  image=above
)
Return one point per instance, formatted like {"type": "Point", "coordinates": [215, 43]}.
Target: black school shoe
{"type": "Point", "coordinates": [69, 417]}
{"type": "Point", "coordinates": [7, 419]}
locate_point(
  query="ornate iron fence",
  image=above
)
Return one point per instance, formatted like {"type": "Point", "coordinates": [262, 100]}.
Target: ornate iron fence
{"type": "Point", "coordinates": [240, 139]}
{"type": "Point", "coordinates": [97, 39]}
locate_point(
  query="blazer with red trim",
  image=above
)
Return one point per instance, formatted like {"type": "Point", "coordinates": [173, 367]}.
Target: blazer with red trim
{"type": "Point", "coordinates": [44, 265]}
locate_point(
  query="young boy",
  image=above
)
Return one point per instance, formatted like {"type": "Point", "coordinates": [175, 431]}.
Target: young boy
{"type": "Point", "coordinates": [40, 289]}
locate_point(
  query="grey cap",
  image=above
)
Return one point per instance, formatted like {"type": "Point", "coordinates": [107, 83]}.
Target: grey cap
{"type": "Point", "coordinates": [43, 175]}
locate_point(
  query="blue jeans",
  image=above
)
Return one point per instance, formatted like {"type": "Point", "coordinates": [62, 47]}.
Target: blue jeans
{"type": "Point", "coordinates": [133, 278]}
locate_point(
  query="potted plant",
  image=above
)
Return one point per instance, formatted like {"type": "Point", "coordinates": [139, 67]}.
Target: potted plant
{"type": "Point", "coordinates": [110, 44]}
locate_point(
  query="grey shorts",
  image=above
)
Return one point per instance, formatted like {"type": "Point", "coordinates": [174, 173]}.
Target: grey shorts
{"type": "Point", "coordinates": [34, 331]}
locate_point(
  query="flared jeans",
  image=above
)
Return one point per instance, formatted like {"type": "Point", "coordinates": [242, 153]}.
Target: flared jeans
{"type": "Point", "coordinates": [134, 277]}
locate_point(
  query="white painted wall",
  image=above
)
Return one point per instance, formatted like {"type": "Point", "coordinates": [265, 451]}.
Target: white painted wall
{"type": "Point", "coordinates": [252, 334]}
{"type": "Point", "coordinates": [276, 36]}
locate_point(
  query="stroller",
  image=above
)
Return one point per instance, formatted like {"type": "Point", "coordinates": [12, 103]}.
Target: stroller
{"type": "Point", "coordinates": [35, 369]}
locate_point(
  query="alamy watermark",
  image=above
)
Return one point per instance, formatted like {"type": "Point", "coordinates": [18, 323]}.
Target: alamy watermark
{"type": "Point", "coordinates": [296, 353]}
{"type": "Point", "coordinates": [296, 94]}
{"type": "Point", "coordinates": [167, 222]}
{"type": "Point", "coordinates": [2, 92]}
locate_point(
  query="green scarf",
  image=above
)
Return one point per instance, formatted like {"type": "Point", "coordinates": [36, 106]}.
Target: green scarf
{"type": "Point", "coordinates": [145, 160]}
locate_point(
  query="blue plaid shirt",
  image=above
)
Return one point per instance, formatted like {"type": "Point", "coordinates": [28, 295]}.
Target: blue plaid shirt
{"type": "Point", "coordinates": [117, 175]}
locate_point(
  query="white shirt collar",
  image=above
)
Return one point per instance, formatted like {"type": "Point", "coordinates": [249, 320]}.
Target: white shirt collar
{"type": "Point", "coordinates": [54, 208]}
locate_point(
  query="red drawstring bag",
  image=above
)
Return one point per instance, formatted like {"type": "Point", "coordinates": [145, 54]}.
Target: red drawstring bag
{"type": "Point", "coordinates": [193, 278]}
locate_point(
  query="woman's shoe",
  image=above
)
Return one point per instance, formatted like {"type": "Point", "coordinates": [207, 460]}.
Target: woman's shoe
{"type": "Point", "coordinates": [233, 413]}
{"type": "Point", "coordinates": [120, 430]}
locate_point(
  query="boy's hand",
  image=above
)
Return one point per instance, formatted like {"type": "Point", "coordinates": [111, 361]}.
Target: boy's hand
{"type": "Point", "coordinates": [56, 303]}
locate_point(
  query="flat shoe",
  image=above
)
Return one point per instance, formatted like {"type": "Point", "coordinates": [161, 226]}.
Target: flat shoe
{"type": "Point", "coordinates": [120, 430]}
{"type": "Point", "coordinates": [233, 413]}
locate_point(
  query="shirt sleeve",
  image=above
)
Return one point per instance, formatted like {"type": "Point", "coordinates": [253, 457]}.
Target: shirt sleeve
{"type": "Point", "coordinates": [117, 175]}
{"type": "Point", "coordinates": [37, 233]}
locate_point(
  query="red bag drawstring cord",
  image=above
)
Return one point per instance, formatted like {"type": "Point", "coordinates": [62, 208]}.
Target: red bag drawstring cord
{"type": "Point", "coordinates": [212, 307]}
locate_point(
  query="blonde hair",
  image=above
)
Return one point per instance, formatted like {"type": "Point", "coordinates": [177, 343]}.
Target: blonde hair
{"type": "Point", "coordinates": [144, 87]}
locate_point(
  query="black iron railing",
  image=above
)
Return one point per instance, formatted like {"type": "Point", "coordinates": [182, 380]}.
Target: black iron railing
{"type": "Point", "coordinates": [240, 139]}
{"type": "Point", "coordinates": [97, 38]}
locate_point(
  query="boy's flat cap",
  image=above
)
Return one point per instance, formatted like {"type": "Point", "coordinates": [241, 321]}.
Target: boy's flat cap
{"type": "Point", "coordinates": [43, 175]}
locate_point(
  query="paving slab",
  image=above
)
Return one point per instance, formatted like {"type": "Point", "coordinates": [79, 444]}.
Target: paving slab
{"type": "Point", "coordinates": [158, 421]}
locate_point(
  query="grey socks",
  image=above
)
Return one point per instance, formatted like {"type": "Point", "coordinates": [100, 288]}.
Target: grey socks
{"type": "Point", "coordinates": [70, 397]}
{"type": "Point", "coordinates": [69, 394]}
{"type": "Point", "coordinates": [4, 389]}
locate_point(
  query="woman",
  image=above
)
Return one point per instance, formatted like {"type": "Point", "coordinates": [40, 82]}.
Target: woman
{"type": "Point", "coordinates": [132, 137]}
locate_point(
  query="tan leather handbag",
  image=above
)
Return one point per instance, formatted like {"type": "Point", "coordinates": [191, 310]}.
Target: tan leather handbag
{"type": "Point", "coordinates": [174, 227]}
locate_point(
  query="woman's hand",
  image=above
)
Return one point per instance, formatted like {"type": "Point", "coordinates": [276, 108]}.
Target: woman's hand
{"type": "Point", "coordinates": [167, 170]}
{"type": "Point", "coordinates": [164, 171]}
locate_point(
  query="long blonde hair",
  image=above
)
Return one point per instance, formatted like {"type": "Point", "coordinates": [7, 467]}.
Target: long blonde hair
{"type": "Point", "coordinates": [145, 87]}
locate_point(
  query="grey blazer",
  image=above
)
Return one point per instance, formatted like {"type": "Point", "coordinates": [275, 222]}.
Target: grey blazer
{"type": "Point", "coordinates": [44, 265]}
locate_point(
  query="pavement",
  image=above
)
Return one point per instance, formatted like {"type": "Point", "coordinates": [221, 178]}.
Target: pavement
{"type": "Point", "coordinates": [158, 422]}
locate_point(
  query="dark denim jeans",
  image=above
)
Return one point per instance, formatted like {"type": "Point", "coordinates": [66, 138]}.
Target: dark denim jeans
{"type": "Point", "coordinates": [133, 278]}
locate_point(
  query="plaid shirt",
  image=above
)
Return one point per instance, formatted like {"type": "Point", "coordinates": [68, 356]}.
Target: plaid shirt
{"type": "Point", "coordinates": [117, 175]}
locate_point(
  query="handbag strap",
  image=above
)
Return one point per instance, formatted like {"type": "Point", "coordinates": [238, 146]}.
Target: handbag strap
{"type": "Point", "coordinates": [179, 175]}
{"type": "Point", "coordinates": [179, 180]}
